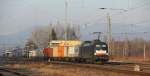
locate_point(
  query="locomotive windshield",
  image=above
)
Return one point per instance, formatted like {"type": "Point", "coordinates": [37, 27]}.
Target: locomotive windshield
{"type": "Point", "coordinates": [101, 47]}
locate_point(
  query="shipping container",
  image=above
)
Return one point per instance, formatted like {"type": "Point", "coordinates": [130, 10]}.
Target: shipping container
{"type": "Point", "coordinates": [62, 48]}
{"type": "Point", "coordinates": [65, 51]}
{"type": "Point", "coordinates": [54, 45]}
{"type": "Point", "coordinates": [48, 52]}
{"type": "Point", "coordinates": [60, 51]}
{"type": "Point", "coordinates": [55, 51]}
{"type": "Point", "coordinates": [73, 51]}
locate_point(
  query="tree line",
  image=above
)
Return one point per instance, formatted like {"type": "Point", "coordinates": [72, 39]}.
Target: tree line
{"type": "Point", "coordinates": [41, 36]}
{"type": "Point", "coordinates": [130, 48]}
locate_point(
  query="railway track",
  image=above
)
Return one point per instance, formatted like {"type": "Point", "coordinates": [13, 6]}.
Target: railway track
{"type": "Point", "coordinates": [117, 67]}
{"type": "Point", "coordinates": [105, 68]}
{"type": "Point", "coordinates": [8, 72]}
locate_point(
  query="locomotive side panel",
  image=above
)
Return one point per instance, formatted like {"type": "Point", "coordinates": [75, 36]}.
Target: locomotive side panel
{"type": "Point", "coordinates": [87, 51]}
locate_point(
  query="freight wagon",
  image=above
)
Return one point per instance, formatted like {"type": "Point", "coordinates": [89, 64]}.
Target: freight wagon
{"type": "Point", "coordinates": [74, 50]}
{"type": "Point", "coordinates": [62, 50]}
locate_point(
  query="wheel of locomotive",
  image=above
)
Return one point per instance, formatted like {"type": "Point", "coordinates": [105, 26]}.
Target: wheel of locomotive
{"type": "Point", "coordinates": [101, 62]}
{"type": "Point", "coordinates": [105, 61]}
{"type": "Point", "coordinates": [81, 60]}
{"type": "Point", "coordinates": [78, 60]}
{"type": "Point", "coordinates": [88, 60]}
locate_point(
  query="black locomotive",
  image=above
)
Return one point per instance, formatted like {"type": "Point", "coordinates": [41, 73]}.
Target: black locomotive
{"type": "Point", "coordinates": [94, 51]}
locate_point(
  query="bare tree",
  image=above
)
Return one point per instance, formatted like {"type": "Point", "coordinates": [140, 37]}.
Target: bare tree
{"type": "Point", "coordinates": [30, 45]}
{"type": "Point", "coordinates": [73, 33]}
{"type": "Point", "coordinates": [41, 36]}
{"type": "Point", "coordinates": [54, 35]}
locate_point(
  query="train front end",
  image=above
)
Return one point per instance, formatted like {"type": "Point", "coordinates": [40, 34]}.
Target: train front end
{"type": "Point", "coordinates": [101, 52]}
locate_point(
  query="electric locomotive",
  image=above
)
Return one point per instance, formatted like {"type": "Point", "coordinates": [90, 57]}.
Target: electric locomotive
{"type": "Point", "coordinates": [94, 51]}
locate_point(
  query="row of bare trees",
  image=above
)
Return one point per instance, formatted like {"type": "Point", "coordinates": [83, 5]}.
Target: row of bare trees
{"type": "Point", "coordinates": [130, 48]}
{"type": "Point", "coordinates": [42, 35]}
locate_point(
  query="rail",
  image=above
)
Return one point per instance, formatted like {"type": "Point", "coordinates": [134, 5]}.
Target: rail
{"type": "Point", "coordinates": [12, 72]}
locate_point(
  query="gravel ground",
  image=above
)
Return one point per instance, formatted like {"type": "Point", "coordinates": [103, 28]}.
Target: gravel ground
{"type": "Point", "coordinates": [60, 70]}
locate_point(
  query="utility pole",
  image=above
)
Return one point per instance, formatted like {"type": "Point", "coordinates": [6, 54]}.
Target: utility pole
{"type": "Point", "coordinates": [126, 50]}
{"type": "Point", "coordinates": [109, 33]}
{"type": "Point", "coordinates": [66, 25]}
{"type": "Point", "coordinates": [144, 53]}
{"type": "Point", "coordinates": [66, 19]}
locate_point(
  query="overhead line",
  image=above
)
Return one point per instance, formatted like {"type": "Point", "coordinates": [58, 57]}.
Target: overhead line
{"type": "Point", "coordinates": [131, 9]}
{"type": "Point", "coordinates": [145, 21]}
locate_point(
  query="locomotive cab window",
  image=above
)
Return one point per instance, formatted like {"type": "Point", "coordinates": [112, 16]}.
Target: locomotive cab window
{"type": "Point", "coordinates": [87, 44]}
{"type": "Point", "coordinates": [101, 47]}
{"type": "Point", "coordinates": [98, 47]}
{"type": "Point", "coordinates": [104, 47]}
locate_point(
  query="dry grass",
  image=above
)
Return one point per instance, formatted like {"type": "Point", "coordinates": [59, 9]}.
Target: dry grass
{"type": "Point", "coordinates": [131, 59]}
{"type": "Point", "coordinates": [60, 70]}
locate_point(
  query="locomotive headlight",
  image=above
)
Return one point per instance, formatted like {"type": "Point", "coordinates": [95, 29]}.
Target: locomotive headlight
{"type": "Point", "coordinates": [101, 52]}
{"type": "Point", "coordinates": [107, 54]}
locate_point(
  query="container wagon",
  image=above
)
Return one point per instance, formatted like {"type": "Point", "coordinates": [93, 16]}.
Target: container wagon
{"type": "Point", "coordinates": [65, 50]}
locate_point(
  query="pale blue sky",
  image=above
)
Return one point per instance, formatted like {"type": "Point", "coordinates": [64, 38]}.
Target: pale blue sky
{"type": "Point", "coordinates": [20, 15]}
